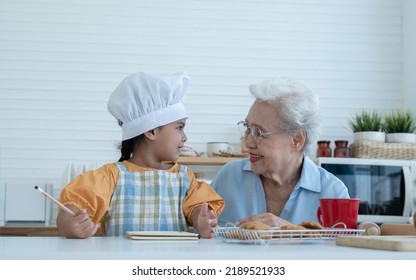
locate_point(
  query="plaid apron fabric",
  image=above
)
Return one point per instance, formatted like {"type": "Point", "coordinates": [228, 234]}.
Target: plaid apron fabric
{"type": "Point", "coordinates": [147, 201]}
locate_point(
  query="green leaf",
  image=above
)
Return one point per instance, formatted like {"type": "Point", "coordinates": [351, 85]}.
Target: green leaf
{"type": "Point", "coordinates": [366, 121]}
{"type": "Point", "coordinates": [400, 122]}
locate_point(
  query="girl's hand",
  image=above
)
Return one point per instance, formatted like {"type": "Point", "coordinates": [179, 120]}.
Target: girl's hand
{"type": "Point", "coordinates": [206, 221]}
{"type": "Point", "coordinates": [80, 226]}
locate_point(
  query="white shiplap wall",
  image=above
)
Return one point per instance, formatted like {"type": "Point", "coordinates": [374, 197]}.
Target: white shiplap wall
{"type": "Point", "coordinates": [60, 60]}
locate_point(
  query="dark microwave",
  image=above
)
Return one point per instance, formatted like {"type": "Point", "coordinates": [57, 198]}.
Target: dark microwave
{"type": "Point", "coordinates": [386, 188]}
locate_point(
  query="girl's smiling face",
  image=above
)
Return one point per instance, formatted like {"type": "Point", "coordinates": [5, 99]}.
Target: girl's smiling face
{"type": "Point", "coordinates": [170, 139]}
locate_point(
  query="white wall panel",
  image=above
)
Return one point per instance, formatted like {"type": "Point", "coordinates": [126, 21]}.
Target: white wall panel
{"type": "Point", "coordinates": [409, 54]}
{"type": "Point", "coordinates": [60, 60]}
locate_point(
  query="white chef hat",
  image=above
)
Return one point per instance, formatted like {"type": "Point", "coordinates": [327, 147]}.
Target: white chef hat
{"type": "Point", "coordinates": [143, 102]}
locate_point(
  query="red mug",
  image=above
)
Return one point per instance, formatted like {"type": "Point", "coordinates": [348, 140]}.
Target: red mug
{"type": "Point", "coordinates": [338, 212]}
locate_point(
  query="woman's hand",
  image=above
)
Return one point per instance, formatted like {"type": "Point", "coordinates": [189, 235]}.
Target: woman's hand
{"type": "Point", "coordinates": [204, 220]}
{"type": "Point", "coordinates": [267, 218]}
{"type": "Point", "coordinates": [80, 226]}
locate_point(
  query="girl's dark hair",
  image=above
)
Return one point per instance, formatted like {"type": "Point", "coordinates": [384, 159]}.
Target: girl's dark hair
{"type": "Point", "coordinates": [127, 147]}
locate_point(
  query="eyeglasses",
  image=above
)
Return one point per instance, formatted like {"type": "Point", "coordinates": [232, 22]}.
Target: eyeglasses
{"type": "Point", "coordinates": [254, 131]}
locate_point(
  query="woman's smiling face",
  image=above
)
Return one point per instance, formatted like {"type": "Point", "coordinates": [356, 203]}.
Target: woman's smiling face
{"type": "Point", "coordinates": [269, 154]}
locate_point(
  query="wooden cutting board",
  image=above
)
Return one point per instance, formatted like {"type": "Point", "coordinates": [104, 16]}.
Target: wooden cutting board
{"type": "Point", "coordinates": [390, 243]}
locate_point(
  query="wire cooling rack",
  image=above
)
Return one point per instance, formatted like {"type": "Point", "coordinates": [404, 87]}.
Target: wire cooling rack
{"type": "Point", "coordinates": [237, 234]}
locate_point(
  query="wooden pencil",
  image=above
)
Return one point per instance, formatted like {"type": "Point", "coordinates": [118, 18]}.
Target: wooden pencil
{"type": "Point", "coordinates": [63, 207]}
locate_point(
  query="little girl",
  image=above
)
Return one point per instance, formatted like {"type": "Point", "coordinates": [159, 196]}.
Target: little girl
{"type": "Point", "coordinates": [145, 190]}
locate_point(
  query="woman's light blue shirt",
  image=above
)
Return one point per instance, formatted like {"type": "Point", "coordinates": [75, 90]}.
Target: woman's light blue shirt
{"type": "Point", "coordinates": [243, 192]}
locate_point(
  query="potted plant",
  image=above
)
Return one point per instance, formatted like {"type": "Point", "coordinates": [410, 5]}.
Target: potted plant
{"type": "Point", "coordinates": [368, 126]}
{"type": "Point", "coordinates": [400, 127]}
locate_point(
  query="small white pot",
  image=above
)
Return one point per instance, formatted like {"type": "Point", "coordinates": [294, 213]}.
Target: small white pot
{"type": "Point", "coordinates": [401, 138]}
{"type": "Point", "coordinates": [370, 136]}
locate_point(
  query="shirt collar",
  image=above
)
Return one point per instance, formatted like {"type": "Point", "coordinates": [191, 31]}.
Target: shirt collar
{"type": "Point", "coordinates": [247, 165]}
{"type": "Point", "coordinates": [309, 178]}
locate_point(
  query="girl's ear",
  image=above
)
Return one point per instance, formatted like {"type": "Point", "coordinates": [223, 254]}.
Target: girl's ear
{"type": "Point", "coordinates": [150, 134]}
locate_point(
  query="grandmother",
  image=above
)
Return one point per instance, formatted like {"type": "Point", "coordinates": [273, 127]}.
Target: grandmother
{"type": "Point", "coordinates": [278, 184]}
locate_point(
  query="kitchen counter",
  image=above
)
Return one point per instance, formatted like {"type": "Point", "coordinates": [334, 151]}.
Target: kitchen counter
{"type": "Point", "coordinates": [109, 248]}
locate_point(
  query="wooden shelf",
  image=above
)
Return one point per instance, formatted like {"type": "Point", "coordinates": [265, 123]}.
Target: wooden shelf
{"type": "Point", "coordinates": [29, 231]}
{"type": "Point", "coordinates": [206, 160]}
{"type": "Point", "coordinates": [32, 230]}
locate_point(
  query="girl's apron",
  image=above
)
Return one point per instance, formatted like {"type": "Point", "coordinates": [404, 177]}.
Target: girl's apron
{"type": "Point", "coordinates": [147, 201]}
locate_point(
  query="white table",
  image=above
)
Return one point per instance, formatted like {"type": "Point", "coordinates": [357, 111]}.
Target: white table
{"type": "Point", "coordinates": [110, 248]}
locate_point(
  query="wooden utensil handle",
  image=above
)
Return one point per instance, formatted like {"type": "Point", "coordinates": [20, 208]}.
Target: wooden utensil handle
{"type": "Point", "coordinates": [397, 229]}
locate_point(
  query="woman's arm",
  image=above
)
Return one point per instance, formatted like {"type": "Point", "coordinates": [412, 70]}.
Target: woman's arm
{"type": "Point", "coordinates": [267, 218]}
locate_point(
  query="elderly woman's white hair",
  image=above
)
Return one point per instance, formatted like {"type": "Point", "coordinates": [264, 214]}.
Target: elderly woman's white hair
{"type": "Point", "coordinates": [297, 107]}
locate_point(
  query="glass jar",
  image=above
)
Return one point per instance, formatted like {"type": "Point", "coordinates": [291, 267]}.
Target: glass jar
{"type": "Point", "coordinates": [324, 150]}
{"type": "Point", "coordinates": [341, 149]}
